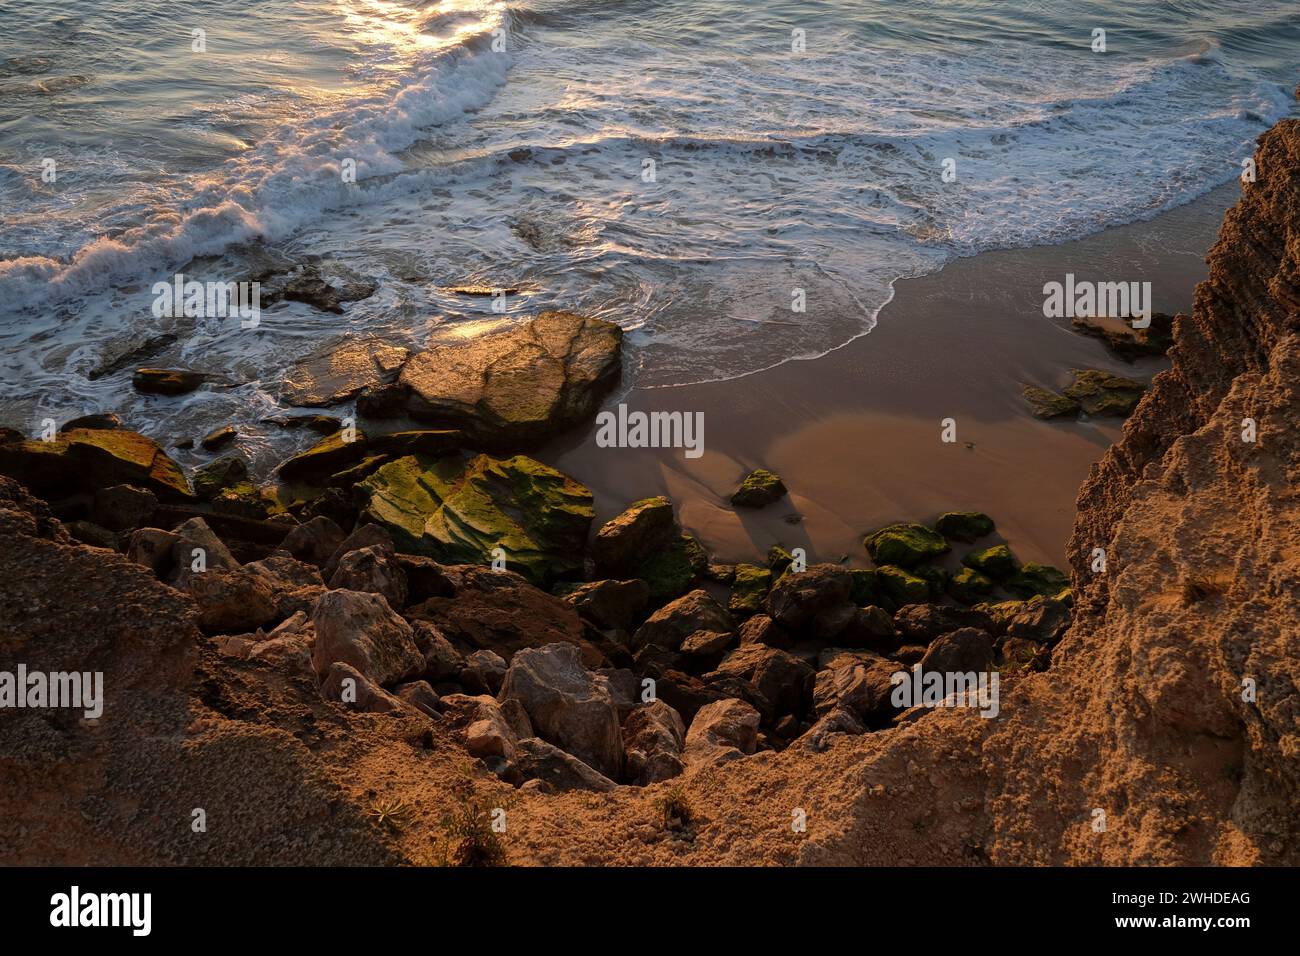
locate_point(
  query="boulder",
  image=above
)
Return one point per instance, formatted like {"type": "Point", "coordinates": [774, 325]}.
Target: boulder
{"type": "Point", "coordinates": [643, 528]}
{"type": "Point", "coordinates": [339, 371]}
{"type": "Point", "coordinates": [761, 629]}
{"type": "Point", "coordinates": [669, 626]}
{"type": "Point", "coordinates": [749, 589]}
{"type": "Point", "coordinates": [218, 438]}
{"type": "Point", "coordinates": [373, 569]}
{"type": "Point", "coordinates": [964, 525]}
{"type": "Point", "coordinates": [1037, 580]}
{"type": "Point", "coordinates": [905, 545]}
{"type": "Point", "coordinates": [314, 541]}
{"type": "Point", "coordinates": [862, 687]}
{"type": "Point", "coordinates": [345, 685]}
{"type": "Point", "coordinates": [123, 507]}
{"type": "Point", "coordinates": [441, 660]}
{"type": "Point", "coordinates": [970, 586]}
{"type": "Point", "coordinates": [231, 600]}
{"type": "Point", "coordinates": [964, 650]}
{"type": "Point", "coordinates": [360, 629]}
{"type": "Point", "coordinates": [500, 611]}
{"type": "Point", "coordinates": [901, 587]}
{"type": "Point", "coordinates": [518, 388]}
{"type": "Point", "coordinates": [922, 623]}
{"type": "Point", "coordinates": [155, 549]}
{"type": "Point", "coordinates": [704, 650]}
{"type": "Point", "coordinates": [421, 696]}
{"type": "Point", "coordinates": [295, 585]}
{"type": "Point", "coordinates": [95, 420]}
{"type": "Point", "coordinates": [490, 734]}
{"type": "Point", "coordinates": [653, 738]}
{"type": "Point", "coordinates": [609, 604]}
{"type": "Point", "coordinates": [759, 489]}
{"type": "Point", "coordinates": [785, 680]}
{"type": "Point", "coordinates": [363, 536]}
{"type": "Point", "coordinates": [83, 460]}
{"type": "Point", "coordinates": [840, 720]}
{"type": "Point", "coordinates": [566, 705]}
{"type": "Point", "coordinates": [319, 463]}
{"type": "Point", "coordinates": [799, 598]}
{"type": "Point", "coordinates": [461, 511]}
{"type": "Point", "coordinates": [483, 672]}
{"type": "Point", "coordinates": [996, 562]}
{"type": "Point", "coordinates": [224, 474]}
{"type": "Point", "coordinates": [537, 759]}
{"type": "Point", "coordinates": [721, 731]}
{"type": "Point", "coordinates": [1042, 620]}
{"type": "Point", "coordinates": [674, 569]}
{"type": "Point", "coordinates": [194, 539]}
{"type": "Point", "coordinates": [324, 285]}
{"type": "Point", "coordinates": [167, 381]}
{"type": "Point", "coordinates": [1125, 342]}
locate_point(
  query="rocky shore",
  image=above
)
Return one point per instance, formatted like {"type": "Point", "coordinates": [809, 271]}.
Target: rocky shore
{"type": "Point", "coordinates": [424, 618]}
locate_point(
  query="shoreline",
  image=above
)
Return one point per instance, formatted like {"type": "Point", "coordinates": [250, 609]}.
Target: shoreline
{"type": "Point", "coordinates": [855, 434]}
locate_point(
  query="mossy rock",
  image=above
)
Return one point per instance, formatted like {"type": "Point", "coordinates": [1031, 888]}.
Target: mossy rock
{"type": "Point", "coordinates": [86, 459]}
{"type": "Point", "coordinates": [964, 526]}
{"type": "Point", "coordinates": [865, 586]}
{"type": "Point", "coordinates": [1001, 612]}
{"type": "Point", "coordinates": [1100, 393]}
{"type": "Point", "coordinates": [749, 589]}
{"type": "Point", "coordinates": [937, 578]}
{"type": "Point", "coordinates": [1037, 579]}
{"type": "Point", "coordinates": [458, 510]}
{"type": "Point", "coordinates": [674, 569]}
{"type": "Point", "coordinates": [905, 545]}
{"type": "Point", "coordinates": [996, 562]}
{"type": "Point", "coordinates": [759, 489]}
{"type": "Point", "coordinates": [970, 586]}
{"type": "Point", "coordinates": [779, 560]}
{"type": "Point", "coordinates": [1048, 404]}
{"type": "Point", "coordinates": [903, 587]}
{"type": "Point", "coordinates": [642, 528]}
{"type": "Point", "coordinates": [218, 476]}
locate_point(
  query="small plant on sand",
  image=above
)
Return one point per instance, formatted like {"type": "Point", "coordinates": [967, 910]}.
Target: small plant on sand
{"type": "Point", "coordinates": [468, 836]}
{"type": "Point", "coordinates": [1198, 587]}
{"type": "Point", "coordinates": [674, 810]}
{"type": "Point", "coordinates": [390, 814]}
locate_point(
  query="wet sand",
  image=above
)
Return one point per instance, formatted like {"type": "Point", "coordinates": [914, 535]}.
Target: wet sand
{"type": "Point", "coordinates": [856, 434]}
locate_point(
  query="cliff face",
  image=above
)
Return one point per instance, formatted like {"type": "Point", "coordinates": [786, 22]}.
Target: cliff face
{"type": "Point", "coordinates": [1167, 730]}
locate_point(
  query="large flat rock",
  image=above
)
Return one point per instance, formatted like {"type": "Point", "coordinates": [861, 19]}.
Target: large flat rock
{"type": "Point", "coordinates": [515, 389]}
{"type": "Point", "coordinates": [338, 372]}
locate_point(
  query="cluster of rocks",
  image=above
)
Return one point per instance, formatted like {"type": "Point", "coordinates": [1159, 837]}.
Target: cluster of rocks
{"type": "Point", "coordinates": [1092, 392]}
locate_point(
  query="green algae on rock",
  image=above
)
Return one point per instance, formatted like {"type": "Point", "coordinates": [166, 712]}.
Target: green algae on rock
{"type": "Point", "coordinates": [964, 526]}
{"type": "Point", "coordinates": [905, 545]}
{"type": "Point", "coordinates": [673, 569]}
{"type": "Point", "coordinates": [902, 587]}
{"type": "Point", "coordinates": [85, 459]}
{"type": "Point", "coordinates": [1048, 404]}
{"type": "Point", "coordinates": [749, 589]}
{"type": "Point", "coordinates": [220, 475]}
{"type": "Point", "coordinates": [458, 510]}
{"type": "Point", "coordinates": [628, 539]}
{"type": "Point", "coordinates": [970, 586]}
{"type": "Point", "coordinates": [996, 562]}
{"type": "Point", "coordinates": [1100, 393]}
{"type": "Point", "coordinates": [1037, 579]}
{"type": "Point", "coordinates": [759, 489]}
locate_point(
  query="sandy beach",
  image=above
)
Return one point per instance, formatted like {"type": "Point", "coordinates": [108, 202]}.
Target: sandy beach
{"type": "Point", "coordinates": [856, 434]}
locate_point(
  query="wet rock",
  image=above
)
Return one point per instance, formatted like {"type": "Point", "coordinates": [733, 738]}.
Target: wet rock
{"type": "Point", "coordinates": [149, 349]}
{"type": "Point", "coordinates": [322, 460]}
{"type": "Point", "coordinates": [1127, 343]}
{"type": "Point", "coordinates": [85, 459]}
{"type": "Point", "coordinates": [566, 705]}
{"type": "Point", "coordinates": [321, 424]}
{"type": "Point", "coordinates": [609, 604]}
{"type": "Point", "coordinates": [360, 629]}
{"type": "Point", "coordinates": [1100, 393]}
{"type": "Point", "coordinates": [218, 437]}
{"type": "Point", "coordinates": [653, 737]}
{"type": "Point", "coordinates": [123, 507]}
{"type": "Point", "coordinates": [322, 285]}
{"type": "Point", "coordinates": [167, 381]}
{"type": "Point", "coordinates": [669, 626]}
{"type": "Point", "coordinates": [515, 389]}
{"type": "Point", "coordinates": [374, 569]}
{"type": "Point", "coordinates": [759, 489]}
{"type": "Point", "coordinates": [101, 420]}
{"type": "Point", "coordinates": [964, 525]}
{"type": "Point", "coordinates": [960, 651]}
{"type": "Point", "coordinates": [471, 511]}
{"type": "Point", "coordinates": [314, 541]}
{"type": "Point", "coordinates": [537, 759]}
{"type": "Point", "coordinates": [905, 545]}
{"type": "Point", "coordinates": [340, 371]}
{"type": "Point", "coordinates": [722, 731]}
{"type": "Point", "coordinates": [782, 678]}
{"type": "Point", "coordinates": [345, 685]}
{"type": "Point", "coordinates": [622, 543]}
